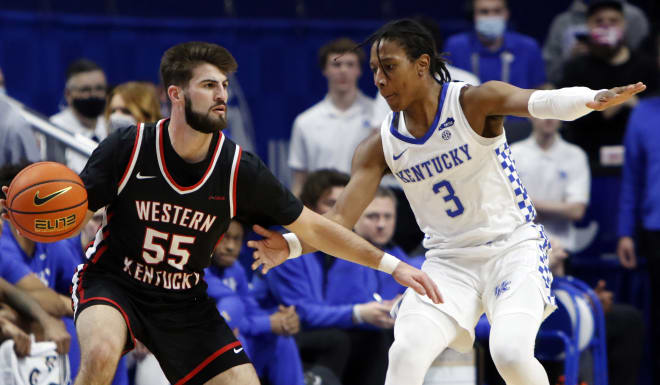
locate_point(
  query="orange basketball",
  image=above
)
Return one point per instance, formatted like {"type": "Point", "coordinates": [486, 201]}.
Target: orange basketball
{"type": "Point", "coordinates": [47, 202]}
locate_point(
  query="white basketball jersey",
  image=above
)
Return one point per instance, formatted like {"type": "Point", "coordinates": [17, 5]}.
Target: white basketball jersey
{"type": "Point", "coordinates": [463, 188]}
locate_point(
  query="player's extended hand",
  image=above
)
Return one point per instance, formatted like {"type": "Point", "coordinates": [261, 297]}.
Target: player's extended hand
{"type": "Point", "coordinates": [270, 251]}
{"type": "Point", "coordinates": [615, 96]}
{"type": "Point", "coordinates": [418, 281]}
{"type": "Point", "coordinates": [55, 331]}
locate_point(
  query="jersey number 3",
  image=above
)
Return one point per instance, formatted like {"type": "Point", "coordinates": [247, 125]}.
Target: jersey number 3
{"type": "Point", "coordinates": [154, 253]}
{"type": "Point", "coordinates": [449, 197]}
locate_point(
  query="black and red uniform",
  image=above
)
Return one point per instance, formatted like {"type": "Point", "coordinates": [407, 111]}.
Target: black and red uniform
{"type": "Point", "coordinates": [164, 217]}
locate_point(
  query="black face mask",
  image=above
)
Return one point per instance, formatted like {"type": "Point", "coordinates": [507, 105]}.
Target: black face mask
{"type": "Point", "coordinates": [203, 123]}
{"type": "Point", "coordinates": [89, 107]}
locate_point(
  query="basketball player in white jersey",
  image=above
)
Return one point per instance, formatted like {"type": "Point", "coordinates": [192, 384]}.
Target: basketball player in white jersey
{"type": "Point", "coordinates": [445, 145]}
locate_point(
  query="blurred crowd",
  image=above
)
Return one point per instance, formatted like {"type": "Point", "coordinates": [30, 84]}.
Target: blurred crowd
{"type": "Point", "coordinates": [316, 319]}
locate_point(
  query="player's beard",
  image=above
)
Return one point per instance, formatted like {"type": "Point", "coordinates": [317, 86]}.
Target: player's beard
{"type": "Point", "coordinates": [203, 122]}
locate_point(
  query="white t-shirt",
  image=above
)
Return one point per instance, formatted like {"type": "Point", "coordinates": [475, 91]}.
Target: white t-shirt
{"type": "Point", "coordinates": [559, 174]}
{"type": "Point", "coordinates": [325, 137]}
{"type": "Point", "coordinates": [67, 120]}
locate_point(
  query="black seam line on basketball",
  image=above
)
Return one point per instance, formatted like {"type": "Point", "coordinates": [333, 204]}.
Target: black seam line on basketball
{"type": "Point", "coordinates": [47, 212]}
{"type": "Point", "coordinates": [40, 183]}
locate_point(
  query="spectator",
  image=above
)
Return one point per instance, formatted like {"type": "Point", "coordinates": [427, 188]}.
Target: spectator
{"type": "Point", "coordinates": [265, 335]}
{"type": "Point", "coordinates": [326, 134]}
{"type": "Point", "coordinates": [17, 141]}
{"type": "Point", "coordinates": [639, 209]}
{"type": "Point", "coordinates": [556, 175]}
{"type": "Point", "coordinates": [568, 35]}
{"type": "Point", "coordinates": [307, 283]}
{"type": "Point", "coordinates": [85, 93]}
{"type": "Point", "coordinates": [608, 61]}
{"type": "Point", "coordinates": [130, 103]}
{"type": "Point", "coordinates": [493, 53]}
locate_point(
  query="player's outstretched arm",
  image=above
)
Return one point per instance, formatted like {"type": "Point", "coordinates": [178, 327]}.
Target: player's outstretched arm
{"type": "Point", "coordinates": [334, 239]}
{"type": "Point", "coordinates": [495, 98]}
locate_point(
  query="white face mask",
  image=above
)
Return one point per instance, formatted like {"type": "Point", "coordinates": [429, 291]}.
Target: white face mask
{"type": "Point", "coordinates": [490, 27]}
{"type": "Point", "coordinates": [3, 91]}
{"type": "Point", "coordinates": [118, 120]}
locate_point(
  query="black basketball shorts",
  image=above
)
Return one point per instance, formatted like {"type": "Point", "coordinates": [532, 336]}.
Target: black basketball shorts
{"type": "Point", "coordinates": [185, 332]}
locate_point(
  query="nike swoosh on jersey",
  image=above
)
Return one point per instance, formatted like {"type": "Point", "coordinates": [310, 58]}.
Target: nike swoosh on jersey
{"type": "Point", "coordinates": [38, 201]}
{"type": "Point", "coordinates": [238, 350]}
{"type": "Point", "coordinates": [396, 157]}
{"type": "Point", "coordinates": [139, 176]}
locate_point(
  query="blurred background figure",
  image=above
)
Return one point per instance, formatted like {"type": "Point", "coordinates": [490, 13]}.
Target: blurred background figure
{"type": "Point", "coordinates": [326, 134]}
{"type": "Point", "coordinates": [568, 36]}
{"type": "Point", "coordinates": [130, 103]}
{"type": "Point", "coordinates": [17, 141]}
{"type": "Point", "coordinates": [84, 93]}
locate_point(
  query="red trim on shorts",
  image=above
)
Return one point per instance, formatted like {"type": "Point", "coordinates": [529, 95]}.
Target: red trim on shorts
{"type": "Point", "coordinates": [206, 362]}
{"type": "Point", "coordinates": [130, 160]}
{"type": "Point", "coordinates": [99, 252]}
{"type": "Point", "coordinates": [233, 193]}
{"type": "Point", "coordinates": [167, 173]}
{"type": "Point", "coordinates": [123, 313]}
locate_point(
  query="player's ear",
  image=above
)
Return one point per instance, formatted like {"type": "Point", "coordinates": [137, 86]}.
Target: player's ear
{"type": "Point", "coordinates": [423, 63]}
{"type": "Point", "coordinates": [175, 94]}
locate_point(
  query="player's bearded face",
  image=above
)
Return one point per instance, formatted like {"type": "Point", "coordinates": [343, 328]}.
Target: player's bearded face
{"type": "Point", "coordinates": [206, 123]}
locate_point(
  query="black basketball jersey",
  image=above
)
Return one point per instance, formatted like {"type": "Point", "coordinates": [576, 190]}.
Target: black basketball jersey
{"type": "Point", "coordinates": [160, 234]}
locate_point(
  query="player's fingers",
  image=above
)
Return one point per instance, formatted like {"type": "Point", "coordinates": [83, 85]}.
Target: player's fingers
{"type": "Point", "coordinates": [431, 289]}
{"type": "Point", "coordinates": [417, 287]}
{"type": "Point", "coordinates": [253, 244]}
{"type": "Point", "coordinates": [261, 231]}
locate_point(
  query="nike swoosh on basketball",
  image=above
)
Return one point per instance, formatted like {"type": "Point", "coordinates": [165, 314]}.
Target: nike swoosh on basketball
{"type": "Point", "coordinates": [139, 176]}
{"type": "Point", "coordinates": [38, 201]}
{"type": "Point", "coordinates": [238, 350]}
{"type": "Point", "coordinates": [396, 157]}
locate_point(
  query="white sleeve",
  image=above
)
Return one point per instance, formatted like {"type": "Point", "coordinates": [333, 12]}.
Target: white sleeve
{"type": "Point", "coordinates": [298, 159]}
{"type": "Point", "coordinates": [564, 104]}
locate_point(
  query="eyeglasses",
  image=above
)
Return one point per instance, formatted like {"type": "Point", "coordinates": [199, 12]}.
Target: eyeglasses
{"type": "Point", "coordinates": [97, 89]}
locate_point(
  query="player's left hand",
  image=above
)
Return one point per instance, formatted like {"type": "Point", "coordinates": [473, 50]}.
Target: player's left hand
{"type": "Point", "coordinates": [417, 280]}
{"type": "Point", "coordinates": [615, 96]}
{"type": "Point", "coordinates": [270, 251]}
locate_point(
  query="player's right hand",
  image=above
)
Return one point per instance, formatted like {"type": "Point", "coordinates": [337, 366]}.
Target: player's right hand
{"type": "Point", "coordinates": [55, 331]}
{"type": "Point", "coordinates": [626, 252]}
{"type": "Point", "coordinates": [417, 280]}
{"type": "Point", "coordinates": [270, 251]}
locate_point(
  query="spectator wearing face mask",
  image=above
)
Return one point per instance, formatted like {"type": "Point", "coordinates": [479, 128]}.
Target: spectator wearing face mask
{"type": "Point", "coordinates": [85, 92]}
{"type": "Point", "coordinates": [608, 61]}
{"type": "Point", "coordinates": [130, 103]}
{"type": "Point", "coordinates": [493, 53]}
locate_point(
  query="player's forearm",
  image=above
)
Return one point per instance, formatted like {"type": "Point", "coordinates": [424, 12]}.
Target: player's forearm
{"type": "Point", "coordinates": [571, 211]}
{"type": "Point", "coordinates": [52, 302]}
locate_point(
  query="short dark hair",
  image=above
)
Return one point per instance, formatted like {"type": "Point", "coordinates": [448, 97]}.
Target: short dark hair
{"type": "Point", "coordinates": [79, 66]}
{"type": "Point", "coordinates": [597, 5]}
{"type": "Point", "coordinates": [318, 182]}
{"type": "Point", "coordinates": [415, 41]}
{"type": "Point", "coordinates": [178, 61]}
{"type": "Point", "coordinates": [386, 192]}
{"type": "Point", "coordinates": [340, 46]}
{"type": "Point", "coordinates": [9, 171]}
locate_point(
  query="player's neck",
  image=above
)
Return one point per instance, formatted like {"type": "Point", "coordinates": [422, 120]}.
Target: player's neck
{"type": "Point", "coordinates": [420, 114]}
{"type": "Point", "coordinates": [343, 100]}
{"type": "Point", "coordinates": [190, 144]}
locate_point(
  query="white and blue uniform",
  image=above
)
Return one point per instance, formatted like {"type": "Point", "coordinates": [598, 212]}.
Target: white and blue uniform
{"type": "Point", "coordinates": [476, 215]}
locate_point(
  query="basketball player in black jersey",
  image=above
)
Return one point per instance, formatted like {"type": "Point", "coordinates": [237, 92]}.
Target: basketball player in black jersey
{"type": "Point", "coordinates": [170, 189]}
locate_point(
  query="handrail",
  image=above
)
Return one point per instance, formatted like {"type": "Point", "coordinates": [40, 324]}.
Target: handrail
{"type": "Point", "coordinates": [40, 123]}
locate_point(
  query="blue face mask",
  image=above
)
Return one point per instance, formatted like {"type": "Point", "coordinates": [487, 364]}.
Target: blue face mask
{"type": "Point", "coordinates": [490, 27]}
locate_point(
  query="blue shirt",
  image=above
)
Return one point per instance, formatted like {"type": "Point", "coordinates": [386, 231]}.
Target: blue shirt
{"type": "Point", "coordinates": [640, 187]}
{"type": "Point", "coordinates": [519, 61]}
{"type": "Point", "coordinates": [54, 263]}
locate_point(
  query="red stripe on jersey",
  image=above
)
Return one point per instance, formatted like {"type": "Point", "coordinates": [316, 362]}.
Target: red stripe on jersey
{"type": "Point", "coordinates": [99, 252]}
{"type": "Point", "coordinates": [130, 160]}
{"type": "Point", "coordinates": [233, 193]}
{"type": "Point", "coordinates": [123, 313]}
{"type": "Point", "coordinates": [206, 362]}
{"type": "Point", "coordinates": [167, 173]}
